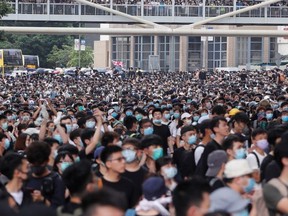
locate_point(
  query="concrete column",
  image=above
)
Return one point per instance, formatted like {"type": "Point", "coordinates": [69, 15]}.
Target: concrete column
{"type": "Point", "coordinates": [17, 6]}
{"type": "Point", "coordinates": [266, 50]}
{"type": "Point", "coordinates": [231, 51]}
{"type": "Point", "coordinates": [132, 51]}
{"type": "Point", "coordinates": [172, 53]}
{"type": "Point", "coordinates": [183, 53]}
{"type": "Point", "coordinates": [48, 7]}
{"type": "Point", "coordinates": [156, 45]}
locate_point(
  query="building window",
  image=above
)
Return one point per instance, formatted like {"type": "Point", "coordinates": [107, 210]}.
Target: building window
{"type": "Point", "coordinates": [194, 53]}
{"type": "Point", "coordinates": [121, 50]}
{"type": "Point", "coordinates": [168, 52]}
{"type": "Point", "coordinates": [249, 50]}
{"type": "Point", "coordinates": [144, 46]}
{"type": "Point", "coordinates": [217, 53]}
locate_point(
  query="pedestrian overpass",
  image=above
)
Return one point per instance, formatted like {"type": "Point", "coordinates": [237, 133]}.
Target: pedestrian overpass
{"type": "Point", "coordinates": [160, 14]}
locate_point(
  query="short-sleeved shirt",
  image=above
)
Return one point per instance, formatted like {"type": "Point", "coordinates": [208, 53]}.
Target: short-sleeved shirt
{"type": "Point", "coordinates": [272, 197]}
{"type": "Point", "coordinates": [252, 160]}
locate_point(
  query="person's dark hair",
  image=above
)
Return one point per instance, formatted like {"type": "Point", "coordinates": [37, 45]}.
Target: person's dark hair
{"type": "Point", "coordinates": [150, 140]}
{"type": "Point", "coordinates": [3, 117]}
{"type": "Point", "coordinates": [218, 110]}
{"type": "Point", "coordinates": [87, 133]}
{"type": "Point", "coordinates": [216, 121]}
{"type": "Point", "coordinates": [156, 110]}
{"type": "Point", "coordinates": [230, 139]}
{"type": "Point", "coordinates": [108, 151]}
{"type": "Point", "coordinates": [132, 141]}
{"type": "Point", "coordinates": [103, 197]}
{"type": "Point", "coordinates": [203, 126]}
{"type": "Point", "coordinates": [2, 136]}
{"type": "Point", "coordinates": [144, 121]}
{"type": "Point", "coordinates": [274, 134]}
{"type": "Point", "coordinates": [240, 117]}
{"type": "Point", "coordinates": [162, 162]}
{"type": "Point", "coordinates": [129, 121]}
{"type": "Point", "coordinates": [75, 133]}
{"type": "Point", "coordinates": [61, 155]}
{"type": "Point", "coordinates": [77, 176]}
{"type": "Point", "coordinates": [281, 150]}
{"type": "Point", "coordinates": [189, 193]}
{"type": "Point", "coordinates": [65, 118]}
{"type": "Point", "coordinates": [51, 141]}
{"type": "Point", "coordinates": [20, 143]}
{"type": "Point", "coordinates": [258, 131]}
{"type": "Point", "coordinates": [9, 163]}
{"type": "Point", "coordinates": [218, 213]}
{"type": "Point", "coordinates": [108, 138]}
{"type": "Point", "coordinates": [73, 150]}
{"type": "Point", "coordinates": [38, 153]}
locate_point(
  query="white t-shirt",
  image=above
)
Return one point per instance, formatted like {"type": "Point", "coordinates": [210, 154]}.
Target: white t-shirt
{"type": "Point", "coordinates": [252, 160]}
{"type": "Point", "coordinates": [198, 153]}
{"type": "Point", "coordinates": [18, 197]}
{"type": "Point", "coordinates": [202, 118]}
{"type": "Point", "coordinates": [173, 128]}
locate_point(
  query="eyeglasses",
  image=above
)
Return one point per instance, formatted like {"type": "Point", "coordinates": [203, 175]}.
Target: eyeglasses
{"type": "Point", "coordinates": [120, 159]}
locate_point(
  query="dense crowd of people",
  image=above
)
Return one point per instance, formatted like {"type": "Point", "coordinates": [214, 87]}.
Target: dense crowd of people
{"type": "Point", "coordinates": [181, 143]}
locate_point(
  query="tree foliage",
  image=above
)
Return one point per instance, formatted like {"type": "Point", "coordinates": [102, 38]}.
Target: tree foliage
{"type": "Point", "coordinates": [4, 8]}
{"type": "Point", "coordinates": [68, 57]}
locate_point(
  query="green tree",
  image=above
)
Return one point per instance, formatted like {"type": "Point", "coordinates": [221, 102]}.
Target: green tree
{"type": "Point", "coordinates": [68, 57]}
{"type": "Point", "coordinates": [86, 57]}
{"type": "Point", "coordinates": [4, 8]}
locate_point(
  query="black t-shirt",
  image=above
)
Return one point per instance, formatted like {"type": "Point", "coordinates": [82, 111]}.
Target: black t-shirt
{"type": "Point", "coordinates": [202, 166]}
{"type": "Point", "coordinates": [264, 165]}
{"type": "Point", "coordinates": [164, 132]}
{"type": "Point", "coordinates": [57, 195]}
{"type": "Point", "coordinates": [83, 155]}
{"type": "Point", "coordinates": [124, 186]}
{"type": "Point", "coordinates": [273, 170]}
{"type": "Point", "coordinates": [137, 178]}
{"type": "Point", "coordinates": [215, 183]}
{"type": "Point", "coordinates": [185, 162]}
{"type": "Point", "coordinates": [69, 208]}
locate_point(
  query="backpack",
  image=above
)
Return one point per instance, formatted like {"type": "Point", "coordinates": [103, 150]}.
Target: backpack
{"type": "Point", "coordinates": [257, 159]}
{"type": "Point", "coordinates": [259, 201]}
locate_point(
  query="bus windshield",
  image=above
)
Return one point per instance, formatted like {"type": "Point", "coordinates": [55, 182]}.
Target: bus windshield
{"type": "Point", "coordinates": [31, 62]}
{"type": "Point", "coordinates": [12, 57]}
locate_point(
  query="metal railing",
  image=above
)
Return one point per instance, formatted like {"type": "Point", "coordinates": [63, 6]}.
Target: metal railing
{"type": "Point", "coordinates": [146, 9]}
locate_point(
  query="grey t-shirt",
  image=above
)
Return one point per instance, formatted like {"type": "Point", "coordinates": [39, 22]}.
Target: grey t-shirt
{"type": "Point", "coordinates": [272, 197]}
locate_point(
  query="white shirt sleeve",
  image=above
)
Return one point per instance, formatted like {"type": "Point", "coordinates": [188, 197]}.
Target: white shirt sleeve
{"type": "Point", "coordinates": [198, 153]}
{"type": "Point", "coordinates": [251, 158]}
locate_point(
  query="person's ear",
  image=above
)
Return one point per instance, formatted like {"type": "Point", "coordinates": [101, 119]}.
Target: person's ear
{"type": "Point", "coordinates": [191, 211]}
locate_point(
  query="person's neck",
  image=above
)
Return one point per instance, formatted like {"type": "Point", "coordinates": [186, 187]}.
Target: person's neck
{"type": "Point", "coordinates": [206, 139]}
{"type": "Point", "coordinates": [75, 199]}
{"type": "Point", "coordinates": [234, 187]}
{"type": "Point", "coordinates": [151, 165]}
{"type": "Point", "coordinates": [260, 151]}
{"type": "Point", "coordinates": [132, 167]}
{"type": "Point", "coordinates": [164, 120]}
{"type": "Point", "coordinates": [157, 124]}
{"type": "Point", "coordinates": [112, 176]}
{"type": "Point", "coordinates": [219, 139]}
{"type": "Point", "coordinates": [14, 185]}
{"type": "Point", "coordinates": [187, 146]}
{"type": "Point", "coordinates": [284, 175]}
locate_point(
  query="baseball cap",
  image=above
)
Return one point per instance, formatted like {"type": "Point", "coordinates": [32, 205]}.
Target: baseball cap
{"type": "Point", "coordinates": [234, 111]}
{"type": "Point", "coordinates": [153, 188]}
{"type": "Point", "coordinates": [185, 115]}
{"type": "Point", "coordinates": [215, 161]}
{"type": "Point", "coordinates": [228, 200]}
{"type": "Point", "coordinates": [237, 168]}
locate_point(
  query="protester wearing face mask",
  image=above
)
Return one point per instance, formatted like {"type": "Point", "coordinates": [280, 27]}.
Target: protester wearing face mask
{"type": "Point", "coordinates": [234, 147]}
{"type": "Point", "coordinates": [256, 157]}
{"type": "Point", "coordinates": [62, 161]}
{"type": "Point", "coordinates": [133, 171]}
{"type": "Point", "coordinates": [160, 129]}
{"type": "Point", "coordinates": [237, 175]}
{"type": "Point", "coordinates": [152, 148]}
{"type": "Point", "coordinates": [15, 167]}
{"type": "Point", "coordinates": [4, 144]}
{"type": "Point", "coordinates": [168, 171]}
{"type": "Point", "coordinates": [185, 121]}
{"type": "Point", "coordinates": [3, 124]}
{"type": "Point", "coordinates": [183, 157]}
{"type": "Point", "coordinates": [38, 156]}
